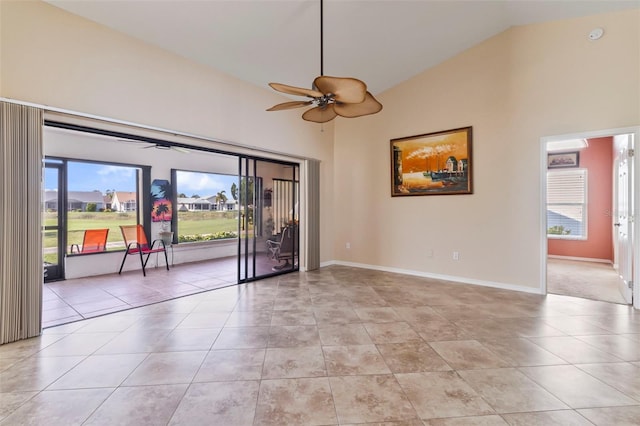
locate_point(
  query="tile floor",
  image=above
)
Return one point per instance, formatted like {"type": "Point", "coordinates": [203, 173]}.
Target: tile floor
{"type": "Point", "coordinates": [334, 346]}
{"type": "Point", "coordinates": [81, 298]}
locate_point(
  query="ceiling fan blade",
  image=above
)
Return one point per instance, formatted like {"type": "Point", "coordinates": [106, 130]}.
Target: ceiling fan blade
{"type": "Point", "coordinates": [181, 149]}
{"type": "Point", "coordinates": [292, 90]}
{"type": "Point", "coordinates": [346, 89]}
{"type": "Point", "coordinates": [289, 105]}
{"type": "Point", "coordinates": [369, 106]}
{"type": "Point", "coordinates": [320, 114]}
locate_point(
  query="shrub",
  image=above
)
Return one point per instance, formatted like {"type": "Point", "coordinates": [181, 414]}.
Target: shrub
{"type": "Point", "coordinates": [207, 237]}
{"type": "Point", "coordinates": [92, 207]}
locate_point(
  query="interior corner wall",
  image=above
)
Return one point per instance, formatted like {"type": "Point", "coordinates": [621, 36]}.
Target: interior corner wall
{"type": "Point", "coordinates": [523, 84]}
{"type": "Point", "coordinates": [597, 159]}
{"type": "Point", "coordinates": [51, 57]}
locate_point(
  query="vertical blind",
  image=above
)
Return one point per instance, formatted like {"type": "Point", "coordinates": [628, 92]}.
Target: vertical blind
{"type": "Point", "coordinates": [21, 269]}
{"type": "Point", "coordinates": [567, 203]}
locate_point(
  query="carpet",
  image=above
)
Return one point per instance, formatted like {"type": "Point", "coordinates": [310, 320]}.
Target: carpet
{"type": "Point", "coordinates": [589, 280]}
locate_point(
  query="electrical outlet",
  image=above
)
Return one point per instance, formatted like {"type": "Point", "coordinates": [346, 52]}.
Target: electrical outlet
{"type": "Point", "coordinates": [348, 245]}
{"type": "Point", "coordinates": [429, 253]}
{"type": "Point", "coordinates": [456, 255]}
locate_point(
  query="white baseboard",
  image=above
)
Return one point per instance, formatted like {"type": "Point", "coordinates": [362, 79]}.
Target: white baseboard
{"type": "Point", "coordinates": [580, 259]}
{"type": "Point", "coordinates": [452, 278]}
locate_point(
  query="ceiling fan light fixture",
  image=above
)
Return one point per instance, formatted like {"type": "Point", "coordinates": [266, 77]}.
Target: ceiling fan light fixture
{"type": "Point", "coordinates": [331, 96]}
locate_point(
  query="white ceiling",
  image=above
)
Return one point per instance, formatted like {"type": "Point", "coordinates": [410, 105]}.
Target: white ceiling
{"type": "Point", "coordinates": [382, 42]}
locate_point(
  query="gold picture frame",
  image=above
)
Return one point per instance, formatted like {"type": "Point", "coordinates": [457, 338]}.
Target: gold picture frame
{"type": "Point", "coordinates": [432, 164]}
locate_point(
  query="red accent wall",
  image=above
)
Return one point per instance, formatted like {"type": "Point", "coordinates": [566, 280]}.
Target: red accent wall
{"type": "Point", "coordinates": [598, 160]}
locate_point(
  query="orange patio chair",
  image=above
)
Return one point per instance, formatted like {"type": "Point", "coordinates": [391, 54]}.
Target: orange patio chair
{"type": "Point", "coordinates": [94, 241]}
{"type": "Point", "coordinates": [136, 242]}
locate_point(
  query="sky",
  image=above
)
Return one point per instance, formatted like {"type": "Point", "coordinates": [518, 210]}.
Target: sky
{"type": "Point", "coordinates": [103, 177]}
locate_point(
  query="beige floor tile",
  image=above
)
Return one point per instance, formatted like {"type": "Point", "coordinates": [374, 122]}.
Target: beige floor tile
{"type": "Point", "coordinates": [180, 339]}
{"type": "Point", "coordinates": [139, 405]}
{"type": "Point", "coordinates": [393, 332]}
{"type": "Point", "coordinates": [287, 363]}
{"type": "Point", "coordinates": [295, 401]}
{"type": "Point", "coordinates": [166, 368]}
{"type": "Point", "coordinates": [231, 364]}
{"type": "Point", "coordinates": [442, 394]}
{"type": "Point", "coordinates": [623, 376]}
{"type": "Point", "coordinates": [574, 326]}
{"type": "Point", "coordinates": [249, 318]}
{"type": "Point", "coordinates": [220, 403]}
{"type": "Point", "coordinates": [99, 371]}
{"type": "Point", "coordinates": [78, 344]}
{"type": "Point", "coordinates": [619, 346]}
{"type": "Point", "coordinates": [133, 341]}
{"type": "Point", "coordinates": [287, 336]}
{"type": "Point", "coordinates": [36, 373]}
{"type": "Point", "coordinates": [548, 418]}
{"type": "Point", "coordinates": [377, 315]}
{"type": "Point", "coordinates": [242, 338]}
{"type": "Point", "coordinates": [367, 399]}
{"type": "Point", "coordinates": [440, 330]}
{"type": "Point", "coordinates": [300, 317]}
{"type": "Point", "coordinates": [491, 420]}
{"type": "Point", "coordinates": [354, 360]}
{"type": "Point", "coordinates": [204, 320]}
{"type": "Point", "coordinates": [412, 357]}
{"type": "Point", "coordinates": [467, 354]}
{"type": "Point", "coordinates": [10, 401]}
{"type": "Point", "coordinates": [509, 391]}
{"type": "Point", "coordinates": [521, 352]}
{"type": "Point", "coordinates": [328, 316]}
{"type": "Point", "coordinates": [576, 388]}
{"type": "Point", "coordinates": [613, 416]}
{"type": "Point", "coordinates": [573, 350]}
{"type": "Point", "coordinates": [58, 408]}
{"type": "Point", "coordinates": [419, 315]}
{"type": "Point", "coordinates": [341, 335]}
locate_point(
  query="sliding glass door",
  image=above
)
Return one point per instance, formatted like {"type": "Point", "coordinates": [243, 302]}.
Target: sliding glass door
{"type": "Point", "coordinates": [269, 218]}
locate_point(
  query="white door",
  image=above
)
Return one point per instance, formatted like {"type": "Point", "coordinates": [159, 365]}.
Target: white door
{"type": "Point", "coordinates": [623, 215]}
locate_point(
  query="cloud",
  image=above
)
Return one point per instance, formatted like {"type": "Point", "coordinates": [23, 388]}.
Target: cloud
{"type": "Point", "coordinates": [203, 183]}
{"type": "Point", "coordinates": [117, 171]}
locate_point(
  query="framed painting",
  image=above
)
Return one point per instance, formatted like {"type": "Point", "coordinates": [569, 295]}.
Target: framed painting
{"type": "Point", "coordinates": [161, 206]}
{"type": "Point", "coordinates": [432, 164]}
{"type": "Point", "coordinates": [563, 159]}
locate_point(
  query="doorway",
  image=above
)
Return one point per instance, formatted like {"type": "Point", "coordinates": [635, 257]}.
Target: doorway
{"type": "Point", "coordinates": [588, 206]}
{"type": "Point", "coordinates": [226, 216]}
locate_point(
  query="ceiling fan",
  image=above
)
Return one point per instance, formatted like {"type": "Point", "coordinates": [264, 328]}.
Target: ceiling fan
{"type": "Point", "coordinates": [331, 96]}
{"type": "Point", "coordinates": [156, 145]}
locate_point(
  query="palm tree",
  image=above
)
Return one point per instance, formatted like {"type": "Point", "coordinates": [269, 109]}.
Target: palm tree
{"type": "Point", "coordinates": [221, 199]}
{"type": "Point", "coordinates": [161, 210]}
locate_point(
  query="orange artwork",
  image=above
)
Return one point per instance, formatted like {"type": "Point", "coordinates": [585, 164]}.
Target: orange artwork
{"type": "Point", "coordinates": [432, 164]}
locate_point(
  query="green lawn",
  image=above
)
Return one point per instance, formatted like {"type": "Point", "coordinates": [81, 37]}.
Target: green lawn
{"type": "Point", "coordinates": [189, 223]}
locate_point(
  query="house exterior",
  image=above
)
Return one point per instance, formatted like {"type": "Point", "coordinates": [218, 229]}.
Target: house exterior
{"type": "Point", "coordinates": [124, 201]}
{"type": "Point", "coordinates": [76, 200]}
{"type": "Point", "coordinates": [190, 204]}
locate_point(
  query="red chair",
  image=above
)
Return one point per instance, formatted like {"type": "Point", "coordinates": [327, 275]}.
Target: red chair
{"type": "Point", "coordinates": [94, 241]}
{"type": "Point", "coordinates": [136, 242]}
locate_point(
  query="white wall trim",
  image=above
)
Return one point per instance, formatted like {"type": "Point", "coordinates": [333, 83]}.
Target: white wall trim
{"type": "Point", "coordinates": [581, 259]}
{"type": "Point", "coordinates": [455, 279]}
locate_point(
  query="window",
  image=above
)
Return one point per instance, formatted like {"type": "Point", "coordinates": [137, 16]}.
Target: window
{"type": "Point", "coordinates": [567, 204]}
{"type": "Point", "coordinates": [96, 196]}
{"type": "Point", "coordinates": [207, 206]}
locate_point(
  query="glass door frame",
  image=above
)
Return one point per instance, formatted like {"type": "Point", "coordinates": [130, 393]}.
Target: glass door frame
{"type": "Point", "coordinates": [247, 238]}
{"type": "Point", "coordinates": [56, 272]}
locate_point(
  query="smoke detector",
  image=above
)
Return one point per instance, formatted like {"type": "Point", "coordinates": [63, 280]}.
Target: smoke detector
{"type": "Point", "coordinates": [596, 33]}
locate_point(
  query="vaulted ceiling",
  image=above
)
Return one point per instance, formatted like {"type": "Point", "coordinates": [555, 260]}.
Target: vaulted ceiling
{"type": "Point", "coordinates": [382, 42]}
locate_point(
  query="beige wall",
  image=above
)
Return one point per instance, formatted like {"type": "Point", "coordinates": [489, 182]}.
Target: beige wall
{"type": "Point", "coordinates": [50, 57]}
{"type": "Point", "coordinates": [526, 83]}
